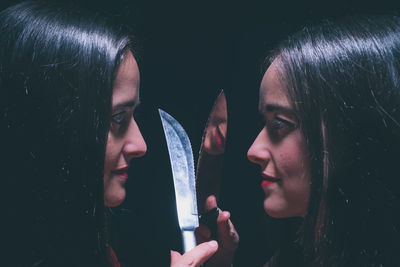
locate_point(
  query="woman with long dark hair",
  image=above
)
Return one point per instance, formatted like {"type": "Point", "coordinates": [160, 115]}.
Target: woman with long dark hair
{"type": "Point", "coordinates": [328, 151]}
{"type": "Point", "coordinates": [69, 84]}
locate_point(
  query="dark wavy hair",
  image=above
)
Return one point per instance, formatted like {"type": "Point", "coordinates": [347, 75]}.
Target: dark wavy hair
{"type": "Point", "coordinates": [57, 67]}
{"type": "Point", "coordinates": [343, 80]}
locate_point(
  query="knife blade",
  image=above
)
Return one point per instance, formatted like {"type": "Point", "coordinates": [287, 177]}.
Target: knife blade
{"type": "Point", "coordinates": [210, 161]}
{"type": "Point", "coordinates": [181, 158]}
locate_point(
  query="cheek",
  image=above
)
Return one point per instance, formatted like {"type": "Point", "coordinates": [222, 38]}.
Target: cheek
{"type": "Point", "coordinates": [111, 153]}
{"type": "Point", "coordinates": [295, 165]}
{"type": "Point", "coordinates": [293, 157]}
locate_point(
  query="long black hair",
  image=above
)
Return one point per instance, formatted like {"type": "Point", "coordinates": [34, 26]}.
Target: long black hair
{"type": "Point", "coordinates": [343, 80]}
{"type": "Point", "coordinates": [57, 67]}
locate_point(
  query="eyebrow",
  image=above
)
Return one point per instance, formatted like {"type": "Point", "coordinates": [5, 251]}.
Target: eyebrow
{"type": "Point", "coordinates": [278, 108]}
{"type": "Point", "coordinates": [131, 103]}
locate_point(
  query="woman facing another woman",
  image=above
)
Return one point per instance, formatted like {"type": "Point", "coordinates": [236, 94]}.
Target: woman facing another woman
{"type": "Point", "coordinates": [329, 149]}
{"type": "Point", "coordinates": [69, 84]}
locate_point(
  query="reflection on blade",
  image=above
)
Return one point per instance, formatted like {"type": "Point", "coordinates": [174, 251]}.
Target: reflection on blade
{"type": "Point", "coordinates": [211, 156]}
{"type": "Point", "coordinates": [181, 157]}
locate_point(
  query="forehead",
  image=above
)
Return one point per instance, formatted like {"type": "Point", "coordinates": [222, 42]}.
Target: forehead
{"type": "Point", "coordinates": [272, 90]}
{"type": "Point", "coordinates": [127, 81]}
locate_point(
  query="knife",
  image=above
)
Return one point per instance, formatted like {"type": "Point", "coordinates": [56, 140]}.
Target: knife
{"type": "Point", "coordinates": [210, 162]}
{"type": "Point", "coordinates": [181, 158]}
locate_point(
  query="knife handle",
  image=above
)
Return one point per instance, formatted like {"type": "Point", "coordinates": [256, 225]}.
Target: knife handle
{"type": "Point", "coordinates": [210, 220]}
{"type": "Point", "coordinates": [188, 240]}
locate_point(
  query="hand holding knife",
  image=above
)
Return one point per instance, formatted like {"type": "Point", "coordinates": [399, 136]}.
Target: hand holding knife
{"type": "Point", "coordinates": [209, 173]}
{"type": "Point", "coordinates": [210, 163]}
{"type": "Point", "coordinates": [208, 180]}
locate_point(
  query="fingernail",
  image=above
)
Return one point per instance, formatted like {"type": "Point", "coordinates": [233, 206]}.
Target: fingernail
{"type": "Point", "coordinates": [213, 243]}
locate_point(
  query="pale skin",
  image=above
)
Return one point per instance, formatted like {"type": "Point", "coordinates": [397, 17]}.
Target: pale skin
{"type": "Point", "coordinates": [125, 142]}
{"type": "Point", "coordinates": [227, 236]}
{"type": "Point", "coordinates": [195, 257]}
{"type": "Point", "coordinates": [281, 151]}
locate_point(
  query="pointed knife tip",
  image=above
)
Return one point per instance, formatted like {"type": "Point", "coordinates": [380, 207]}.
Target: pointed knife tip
{"type": "Point", "coordinates": [161, 112]}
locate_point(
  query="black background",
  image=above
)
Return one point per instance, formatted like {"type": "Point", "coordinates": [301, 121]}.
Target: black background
{"type": "Point", "coordinates": [190, 51]}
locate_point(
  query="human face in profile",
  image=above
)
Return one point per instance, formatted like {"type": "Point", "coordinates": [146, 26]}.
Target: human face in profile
{"type": "Point", "coordinates": [281, 151]}
{"type": "Point", "coordinates": [125, 141]}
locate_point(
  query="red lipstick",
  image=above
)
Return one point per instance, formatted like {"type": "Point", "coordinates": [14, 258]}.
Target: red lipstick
{"type": "Point", "coordinates": [266, 183]}
{"type": "Point", "coordinates": [268, 180]}
{"type": "Point", "coordinates": [123, 172]}
{"type": "Point", "coordinates": [219, 137]}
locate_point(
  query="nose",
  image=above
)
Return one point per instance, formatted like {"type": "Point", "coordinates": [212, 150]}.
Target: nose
{"type": "Point", "coordinates": [258, 152]}
{"type": "Point", "coordinates": [135, 146]}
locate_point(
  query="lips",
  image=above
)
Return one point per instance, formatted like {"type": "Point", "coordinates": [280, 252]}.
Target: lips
{"type": "Point", "coordinates": [265, 183]}
{"type": "Point", "coordinates": [219, 137]}
{"type": "Point", "coordinates": [268, 180]}
{"type": "Point", "coordinates": [123, 172]}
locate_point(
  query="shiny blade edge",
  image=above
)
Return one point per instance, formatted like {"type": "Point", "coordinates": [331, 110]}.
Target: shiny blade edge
{"type": "Point", "coordinates": [182, 165]}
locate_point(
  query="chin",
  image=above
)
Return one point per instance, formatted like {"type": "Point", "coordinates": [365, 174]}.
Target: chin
{"type": "Point", "coordinates": [115, 199]}
{"type": "Point", "coordinates": [277, 211]}
{"type": "Point", "coordinates": [274, 211]}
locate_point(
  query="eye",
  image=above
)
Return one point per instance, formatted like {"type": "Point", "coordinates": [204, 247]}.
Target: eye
{"type": "Point", "coordinates": [119, 117]}
{"type": "Point", "coordinates": [279, 127]}
{"type": "Point", "coordinates": [278, 123]}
